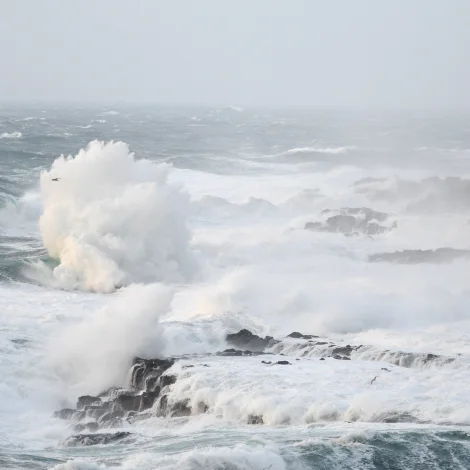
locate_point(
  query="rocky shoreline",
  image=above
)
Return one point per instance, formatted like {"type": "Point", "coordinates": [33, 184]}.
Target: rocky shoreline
{"type": "Point", "coordinates": [150, 381]}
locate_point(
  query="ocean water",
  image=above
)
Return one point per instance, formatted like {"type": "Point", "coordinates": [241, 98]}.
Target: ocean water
{"type": "Point", "coordinates": [170, 227]}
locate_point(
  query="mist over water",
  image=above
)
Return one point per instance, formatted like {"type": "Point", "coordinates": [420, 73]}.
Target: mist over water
{"type": "Point", "coordinates": [170, 227]}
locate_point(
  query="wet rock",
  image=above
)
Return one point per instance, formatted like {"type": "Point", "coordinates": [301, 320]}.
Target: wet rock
{"type": "Point", "coordinates": [166, 380]}
{"type": "Point", "coordinates": [87, 400]}
{"type": "Point", "coordinates": [322, 358]}
{"type": "Point", "coordinates": [255, 419]}
{"type": "Point", "coordinates": [283, 363]}
{"type": "Point", "coordinates": [111, 416]}
{"type": "Point", "coordinates": [148, 399]}
{"type": "Point", "coordinates": [396, 418]}
{"type": "Point", "coordinates": [127, 402]}
{"type": "Point", "coordinates": [297, 335]}
{"type": "Point", "coordinates": [352, 221]}
{"type": "Point", "coordinates": [441, 255]}
{"type": "Point", "coordinates": [91, 427]}
{"type": "Point", "coordinates": [65, 413]}
{"type": "Point", "coordinates": [95, 439]}
{"type": "Point", "coordinates": [237, 352]}
{"type": "Point", "coordinates": [143, 369]}
{"type": "Point", "coordinates": [245, 339]}
{"type": "Point", "coordinates": [345, 351]}
{"type": "Point", "coordinates": [180, 409]}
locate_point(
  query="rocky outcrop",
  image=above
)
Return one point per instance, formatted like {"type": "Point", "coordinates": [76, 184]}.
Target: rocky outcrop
{"type": "Point", "coordinates": [441, 255]}
{"type": "Point", "coordinates": [297, 335]}
{"type": "Point", "coordinates": [246, 340]}
{"type": "Point", "coordinates": [148, 389]}
{"type": "Point", "coordinates": [353, 221]}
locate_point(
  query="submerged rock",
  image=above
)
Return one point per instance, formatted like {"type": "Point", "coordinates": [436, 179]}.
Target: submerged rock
{"type": "Point", "coordinates": [95, 439]}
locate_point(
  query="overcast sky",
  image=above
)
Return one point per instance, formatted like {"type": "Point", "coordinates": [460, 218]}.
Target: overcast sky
{"type": "Point", "coordinates": [368, 53]}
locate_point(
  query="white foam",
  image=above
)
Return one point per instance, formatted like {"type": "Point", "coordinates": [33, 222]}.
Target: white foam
{"type": "Point", "coordinates": [111, 220]}
{"type": "Point", "coordinates": [11, 135]}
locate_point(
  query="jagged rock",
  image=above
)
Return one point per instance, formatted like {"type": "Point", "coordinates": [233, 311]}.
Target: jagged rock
{"type": "Point", "coordinates": [297, 335]}
{"type": "Point", "coordinates": [180, 409]}
{"type": "Point", "coordinates": [87, 400]}
{"type": "Point", "coordinates": [143, 369]}
{"type": "Point", "coordinates": [127, 402]}
{"type": "Point", "coordinates": [91, 426]}
{"type": "Point", "coordinates": [166, 380]}
{"type": "Point", "coordinates": [352, 221]}
{"type": "Point", "coordinates": [65, 413]}
{"type": "Point", "coordinates": [254, 419]}
{"type": "Point", "coordinates": [345, 350]}
{"type": "Point", "coordinates": [247, 340]}
{"type": "Point", "coordinates": [94, 439]}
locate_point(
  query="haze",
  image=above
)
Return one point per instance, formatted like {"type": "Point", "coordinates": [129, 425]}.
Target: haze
{"type": "Point", "coordinates": [400, 53]}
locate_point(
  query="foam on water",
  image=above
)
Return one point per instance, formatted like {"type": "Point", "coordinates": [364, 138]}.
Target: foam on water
{"type": "Point", "coordinates": [190, 254]}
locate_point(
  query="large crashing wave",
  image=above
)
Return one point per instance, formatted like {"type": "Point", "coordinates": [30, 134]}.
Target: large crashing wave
{"type": "Point", "coordinates": [111, 220]}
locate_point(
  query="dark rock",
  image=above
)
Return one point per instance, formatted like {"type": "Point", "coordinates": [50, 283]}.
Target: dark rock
{"type": "Point", "coordinates": [297, 335]}
{"type": "Point", "coordinates": [247, 340]}
{"type": "Point", "coordinates": [441, 255]}
{"type": "Point", "coordinates": [91, 426]}
{"type": "Point", "coordinates": [95, 439]}
{"type": "Point", "coordinates": [335, 356]}
{"type": "Point", "coordinates": [20, 341]}
{"type": "Point", "coordinates": [283, 363]}
{"type": "Point", "coordinates": [383, 368]}
{"type": "Point", "coordinates": [352, 221]}
{"type": "Point", "coordinates": [127, 402]}
{"type": "Point", "coordinates": [345, 351]}
{"type": "Point", "coordinates": [143, 369]}
{"type": "Point", "coordinates": [180, 409]}
{"type": "Point", "coordinates": [322, 358]}
{"type": "Point", "coordinates": [167, 380]}
{"type": "Point", "coordinates": [87, 400]}
{"type": "Point", "coordinates": [111, 416]}
{"type": "Point", "coordinates": [346, 358]}
{"type": "Point", "coordinates": [93, 411]}
{"type": "Point", "coordinates": [266, 362]}
{"type": "Point", "coordinates": [65, 413]}
{"type": "Point", "coordinates": [254, 419]}
{"type": "Point", "coordinates": [147, 400]}
{"type": "Point", "coordinates": [397, 418]}
{"type": "Point", "coordinates": [237, 352]}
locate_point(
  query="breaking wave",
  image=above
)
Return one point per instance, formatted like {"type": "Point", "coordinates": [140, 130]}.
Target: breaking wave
{"type": "Point", "coordinates": [111, 220]}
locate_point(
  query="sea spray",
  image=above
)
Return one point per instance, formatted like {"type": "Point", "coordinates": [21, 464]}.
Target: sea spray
{"type": "Point", "coordinates": [111, 220]}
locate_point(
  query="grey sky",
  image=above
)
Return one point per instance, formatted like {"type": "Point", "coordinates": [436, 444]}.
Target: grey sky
{"type": "Point", "coordinates": [411, 53]}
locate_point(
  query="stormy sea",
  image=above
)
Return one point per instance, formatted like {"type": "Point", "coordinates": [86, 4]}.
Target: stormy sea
{"type": "Point", "coordinates": [223, 288]}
